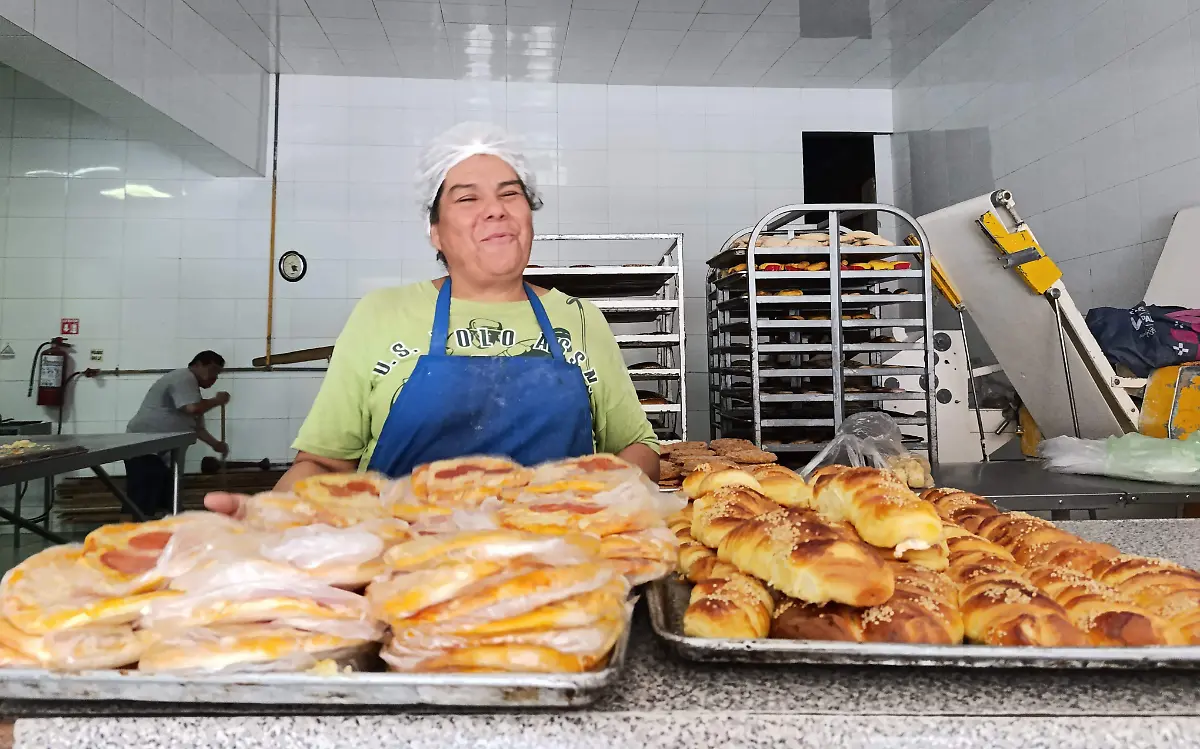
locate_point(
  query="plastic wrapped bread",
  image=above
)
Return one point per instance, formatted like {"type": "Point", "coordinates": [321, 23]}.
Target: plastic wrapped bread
{"type": "Point", "coordinates": [251, 647]}
{"type": "Point", "coordinates": [79, 649]}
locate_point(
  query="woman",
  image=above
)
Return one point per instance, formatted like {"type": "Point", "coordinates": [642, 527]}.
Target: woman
{"type": "Point", "coordinates": [478, 361]}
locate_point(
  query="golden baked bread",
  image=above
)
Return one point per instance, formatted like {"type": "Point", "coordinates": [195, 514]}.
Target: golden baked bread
{"type": "Point", "coordinates": [619, 511]}
{"type": "Point", "coordinates": [783, 485]}
{"type": "Point", "coordinates": [341, 486]}
{"type": "Point", "coordinates": [80, 649]}
{"type": "Point", "coordinates": [960, 508]}
{"type": "Point", "coordinates": [801, 555]}
{"type": "Point", "coordinates": [923, 609]}
{"type": "Point", "coordinates": [884, 512]}
{"type": "Point", "coordinates": [499, 545]}
{"type": "Point", "coordinates": [737, 607]}
{"type": "Point", "coordinates": [1168, 589]}
{"type": "Point", "coordinates": [589, 474]}
{"type": "Point", "coordinates": [1034, 541]}
{"type": "Point", "coordinates": [517, 591]}
{"type": "Point", "coordinates": [583, 610]}
{"type": "Point", "coordinates": [998, 603]}
{"type": "Point", "coordinates": [53, 590]}
{"type": "Point", "coordinates": [715, 514]}
{"type": "Point", "coordinates": [492, 658]}
{"type": "Point", "coordinates": [797, 620]}
{"type": "Point", "coordinates": [935, 558]}
{"type": "Point", "coordinates": [726, 478]}
{"type": "Point", "coordinates": [728, 444]}
{"type": "Point", "coordinates": [467, 480]}
{"type": "Point", "coordinates": [237, 647]}
{"type": "Point", "coordinates": [696, 561]}
{"type": "Point", "coordinates": [1108, 618]}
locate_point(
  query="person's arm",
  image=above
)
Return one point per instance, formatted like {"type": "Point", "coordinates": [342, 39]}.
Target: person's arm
{"type": "Point", "coordinates": [307, 464]}
{"type": "Point", "coordinates": [644, 457]}
{"type": "Point", "coordinates": [204, 405]}
{"type": "Point", "coordinates": [203, 435]}
{"type": "Point", "coordinates": [618, 420]}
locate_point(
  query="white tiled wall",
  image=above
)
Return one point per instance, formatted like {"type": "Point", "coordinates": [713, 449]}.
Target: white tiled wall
{"type": "Point", "coordinates": [159, 261]}
{"type": "Point", "coordinates": [1086, 109]}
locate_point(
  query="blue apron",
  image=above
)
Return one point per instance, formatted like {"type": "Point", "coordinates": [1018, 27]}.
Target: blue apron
{"type": "Point", "coordinates": [528, 408]}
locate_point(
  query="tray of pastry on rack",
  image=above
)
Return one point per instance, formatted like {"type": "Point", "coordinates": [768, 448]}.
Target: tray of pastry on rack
{"type": "Point", "coordinates": [852, 567]}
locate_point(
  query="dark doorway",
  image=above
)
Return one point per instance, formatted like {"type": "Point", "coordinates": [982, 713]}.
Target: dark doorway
{"type": "Point", "coordinates": [840, 168]}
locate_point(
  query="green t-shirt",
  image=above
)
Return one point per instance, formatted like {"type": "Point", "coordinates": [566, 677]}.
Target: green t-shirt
{"type": "Point", "coordinates": [389, 329]}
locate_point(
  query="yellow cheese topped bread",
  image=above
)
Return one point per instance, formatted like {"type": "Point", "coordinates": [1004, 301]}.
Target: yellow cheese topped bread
{"type": "Point", "coordinates": [247, 647]}
{"type": "Point", "coordinates": [467, 480]}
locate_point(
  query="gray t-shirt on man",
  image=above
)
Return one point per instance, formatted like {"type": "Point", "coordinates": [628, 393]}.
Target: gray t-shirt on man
{"type": "Point", "coordinates": [160, 411]}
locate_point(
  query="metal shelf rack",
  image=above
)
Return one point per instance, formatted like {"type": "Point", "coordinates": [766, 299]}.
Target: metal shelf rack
{"type": "Point", "coordinates": [781, 372]}
{"type": "Point", "coordinates": [643, 303]}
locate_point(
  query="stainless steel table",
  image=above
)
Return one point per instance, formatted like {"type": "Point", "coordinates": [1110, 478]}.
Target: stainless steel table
{"type": "Point", "coordinates": [1026, 485]}
{"type": "Point", "coordinates": [94, 451]}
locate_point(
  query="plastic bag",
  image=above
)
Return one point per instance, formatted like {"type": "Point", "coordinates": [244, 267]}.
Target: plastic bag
{"type": "Point", "coordinates": [52, 590]}
{"type": "Point", "coordinates": [628, 506]}
{"type": "Point", "coordinates": [642, 556]}
{"type": "Point", "coordinates": [589, 474]}
{"type": "Point", "coordinates": [252, 648]}
{"type": "Point", "coordinates": [873, 440]}
{"type": "Point", "coordinates": [1131, 456]}
{"type": "Point", "coordinates": [501, 545]}
{"type": "Point", "coordinates": [281, 510]}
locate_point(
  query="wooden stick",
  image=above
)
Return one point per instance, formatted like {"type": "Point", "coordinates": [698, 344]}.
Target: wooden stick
{"type": "Point", "coordinates": [223, 455]}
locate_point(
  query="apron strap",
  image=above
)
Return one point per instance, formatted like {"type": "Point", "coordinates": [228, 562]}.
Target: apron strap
{"type": "Point", "coordinates": [544, 323]}
{"type": "Point", "coordinates": [441, 322]}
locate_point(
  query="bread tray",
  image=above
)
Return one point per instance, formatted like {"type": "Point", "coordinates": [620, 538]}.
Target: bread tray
{"type": "Point", "coordinates": [34, 692]}
{"type": "Point", "coordinates": [668, 598]}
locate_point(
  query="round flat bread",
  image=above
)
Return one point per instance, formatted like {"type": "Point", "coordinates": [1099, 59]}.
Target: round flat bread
{"type": "Point", "coordinates": [725, 444]}
{"type": "Point", "coordinates": [753, 456]}
{"type": "Point", "coordinates": [668, 470]}
{"type": "Point", "coordinates": [468, 478]}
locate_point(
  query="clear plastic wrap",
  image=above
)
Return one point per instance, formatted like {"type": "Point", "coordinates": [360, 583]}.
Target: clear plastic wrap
{"type": "Point", "coordinates": [127, 555]}
{"type": "Point", "coordinates": [467, 481]}
{"type": "Point", "coordinates": [501, 545]}
{"type": "Point", "coordinates": [629, 506]}
{"type": "Point", "coordinates": [585, 475]}
{"type": "Point", "coordinates": [53, 590]}
{"type": "Point", "coordinates": [1131, 456]}
{"type": "Point", "coordinates": [82, 648]}
{"type": "Point", "coordinates": [642, 556]}
{"type": "Point", "coordinates": [874, 440]}
{"type": "Point", "coordinates": [252, 648]}
{"type": "Point", "coordinates": [275, 511]}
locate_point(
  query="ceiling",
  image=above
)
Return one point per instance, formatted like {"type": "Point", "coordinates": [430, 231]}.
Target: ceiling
{"type": "Point", "coordinates": [791, 43]}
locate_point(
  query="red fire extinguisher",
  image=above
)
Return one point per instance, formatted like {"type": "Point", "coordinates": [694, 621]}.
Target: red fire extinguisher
{"type": "Point", "coordinates": [51, 367]}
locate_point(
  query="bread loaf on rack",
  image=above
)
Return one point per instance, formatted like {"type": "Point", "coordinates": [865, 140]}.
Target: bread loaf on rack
{"type": "Point", "coordinates": [717, 513]}
{"type": "Point", "coordinates": [736, 607]}
{"type": "Point", "coordinates": [803, 556]}
{"type": "Point", "coordinates": [998, 603]}
{"type": "Point", "coordinates": [884, 511]}
{"type": "Point", "coordinates": [1108, 618]}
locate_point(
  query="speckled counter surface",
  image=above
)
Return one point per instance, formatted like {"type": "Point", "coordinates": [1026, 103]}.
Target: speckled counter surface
{"type": "Point", "coordinates": [661, 702]}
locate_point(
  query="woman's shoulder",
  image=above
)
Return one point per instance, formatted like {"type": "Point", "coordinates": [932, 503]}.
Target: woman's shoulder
{"type": "Point", "coordinates": [397, 298]}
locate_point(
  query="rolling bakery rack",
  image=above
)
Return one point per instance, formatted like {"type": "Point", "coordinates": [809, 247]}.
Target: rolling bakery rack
{"type": "Point", "coordinates": [643, 302]}
{"type": "Point", "coordinates": [793, 351]}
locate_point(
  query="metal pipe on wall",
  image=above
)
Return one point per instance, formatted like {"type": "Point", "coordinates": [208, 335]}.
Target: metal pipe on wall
{"type": "Point", "coordinates": [274, 207]}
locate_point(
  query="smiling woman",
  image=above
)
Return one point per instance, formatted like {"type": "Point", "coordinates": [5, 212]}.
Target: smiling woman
{"type": "Point", "coordinates": [478, 361]}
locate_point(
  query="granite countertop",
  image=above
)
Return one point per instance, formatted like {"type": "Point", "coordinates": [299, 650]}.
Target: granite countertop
{"type": "Point", "coordinates": [662, 702]}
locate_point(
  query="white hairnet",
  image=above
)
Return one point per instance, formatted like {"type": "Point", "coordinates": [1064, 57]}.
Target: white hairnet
{"type": "Point", "coordinates": [460, 142]}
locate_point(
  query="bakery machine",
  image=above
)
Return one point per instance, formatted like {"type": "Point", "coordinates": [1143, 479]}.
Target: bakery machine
{"type": "Point", "coordinates": [803, 315]}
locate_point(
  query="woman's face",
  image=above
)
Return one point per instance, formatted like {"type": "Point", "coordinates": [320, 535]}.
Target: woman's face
{"type": "Point", "coordinates": [485, 224]}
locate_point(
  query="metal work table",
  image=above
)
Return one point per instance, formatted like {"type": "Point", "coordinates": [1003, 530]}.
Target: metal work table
{"type": "Point", "coordinates": [1026, 485]}
{"type": "Point", "coordinates": [94, 451]}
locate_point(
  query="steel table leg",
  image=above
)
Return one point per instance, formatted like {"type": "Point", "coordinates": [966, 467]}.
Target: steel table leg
{"type": "Point", "coordinates": [177, 480]}
{"type": "Point", "coordinates": [20, 522]}
{"type": "Point", "coordinates": [16, 544]}
{"type": "Point", "coordinates": [47, 500]}
{"type": "Point", "coordinates": [126, 502]}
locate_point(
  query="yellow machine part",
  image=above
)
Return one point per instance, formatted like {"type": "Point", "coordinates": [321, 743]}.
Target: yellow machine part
{"type": "Point", "coordinates": [1040, 273]}
{"type": "Point", "coordinates": [940, 281]}
{"type": "Point", "coordinates": [1031, 435]}
{"type": "Point", "coordinates": [1171, 407]}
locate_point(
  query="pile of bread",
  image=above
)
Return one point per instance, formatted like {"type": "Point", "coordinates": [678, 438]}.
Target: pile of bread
{"type": "Point", "coordinates": [473, 564]}
{"type": "Point", "coordinates": [677, 460]}
{"type": "Point", "coordinates": [858, 238]}
{"type": "Point", "coordinates": [854, 555]}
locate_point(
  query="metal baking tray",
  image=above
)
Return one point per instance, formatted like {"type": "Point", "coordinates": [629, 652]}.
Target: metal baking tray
{"type": "Point", "coordinates": [668, 599]}
{"type": "Point", "coordinates": [92, 688]}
